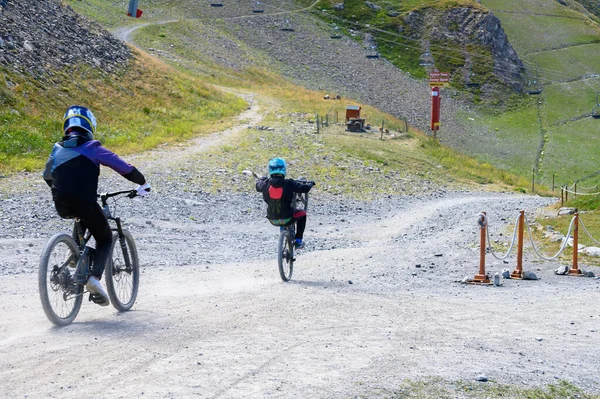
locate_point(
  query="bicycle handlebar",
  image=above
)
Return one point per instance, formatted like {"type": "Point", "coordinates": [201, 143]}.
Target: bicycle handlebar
{"type": "Point", "coordinates": [105, 196]}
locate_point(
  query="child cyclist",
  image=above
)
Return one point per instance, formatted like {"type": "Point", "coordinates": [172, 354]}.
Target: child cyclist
{"type": "Point", "coordinates": [278, 193]}
{"type": "Point", "coordinates": [72, 172]}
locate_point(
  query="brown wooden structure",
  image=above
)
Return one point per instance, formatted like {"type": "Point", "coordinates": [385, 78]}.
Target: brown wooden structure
{"type": "Point", "coordinates": [354, 122]}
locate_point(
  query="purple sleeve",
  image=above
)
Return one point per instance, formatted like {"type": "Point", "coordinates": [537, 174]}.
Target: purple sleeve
{"type": "Point", "coordinates": [102, 156]}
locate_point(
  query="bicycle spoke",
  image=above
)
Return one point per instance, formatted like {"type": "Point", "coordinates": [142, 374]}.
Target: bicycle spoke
{"type": "Point", "coordinates": [123, 274]}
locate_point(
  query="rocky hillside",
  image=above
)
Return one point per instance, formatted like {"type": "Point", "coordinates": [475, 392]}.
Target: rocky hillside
{"type": "Point", "coordinates": [38, 36]}
{"type": "Point", "coordinates": [592, 6]}
{"type": "Point", "coordinates": [456, 30]}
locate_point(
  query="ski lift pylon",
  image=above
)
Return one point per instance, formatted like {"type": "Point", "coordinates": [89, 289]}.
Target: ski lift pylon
{"type": "Point", "coordinates": [133, 10]}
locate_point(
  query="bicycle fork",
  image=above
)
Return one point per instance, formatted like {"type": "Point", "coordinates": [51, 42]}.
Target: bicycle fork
{"type": "Point", "coordinates": [123, 245]}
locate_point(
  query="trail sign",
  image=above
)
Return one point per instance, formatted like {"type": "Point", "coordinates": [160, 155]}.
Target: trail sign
{"type": "Point", "coordinates": [437, 78]}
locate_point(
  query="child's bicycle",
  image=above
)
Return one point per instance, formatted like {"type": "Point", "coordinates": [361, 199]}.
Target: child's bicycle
{"type": "Point", "coordinates": [287, 236]}
{"type": "Point", "coordinates": [65, 269]}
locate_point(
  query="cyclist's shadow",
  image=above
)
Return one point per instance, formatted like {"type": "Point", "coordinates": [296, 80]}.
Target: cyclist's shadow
{"type": "Point", "coordinates": [319, 284]}
{"type": "Point", "coordinates": [114, 325]}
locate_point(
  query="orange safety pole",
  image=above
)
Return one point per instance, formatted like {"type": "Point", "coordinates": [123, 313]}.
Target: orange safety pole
{"type": "Point", "coordinates": [482, 277]}
{"type": "Point", "coordinates": [574, 271]}
{"type": "Point", "coordinates": [518, 272]}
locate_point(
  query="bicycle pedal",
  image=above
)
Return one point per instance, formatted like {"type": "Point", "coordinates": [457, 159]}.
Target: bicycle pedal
{"type": "Point", "coordinates": [96, 299]}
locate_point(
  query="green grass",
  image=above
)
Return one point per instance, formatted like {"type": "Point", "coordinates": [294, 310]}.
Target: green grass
{"type": "Point", "coordinates": [109, 13]}
{"type": "Point", "coordinates": [568, 63]}
{"type": "Point", "coordinates": [529, 33]}
{"type": "Point", "coordinates": [537, 6]}
{"type": "Point", "coordinates": [568, 100]}
{"type": "Point", "coordinates": [518, 138]}
{"type": "Point", "coordinates": [358, 165]}
{"type": "Point", "coordinates": [572, 150]}
{"type": "Point", "coordinates": [589, 216]}
{"type": "Point", "coordinates": [113, 13]}
{"type": "Point", "coordinates": [140, 108]}
{"type": "Point", "coordinates": [441, 389]}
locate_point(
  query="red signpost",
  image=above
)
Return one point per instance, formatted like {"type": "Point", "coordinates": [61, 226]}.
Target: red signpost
{"type": "Point", "coordinates": [133, 10]}
{"type": "Point", "coordinates": [437, 79]}
{"type": "Point", "coordinates": [435, 110]}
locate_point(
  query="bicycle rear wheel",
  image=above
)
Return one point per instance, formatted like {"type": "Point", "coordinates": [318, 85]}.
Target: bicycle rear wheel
{"type": "Point", "coordinates": [61, 297]}
{"type": "Point", "coordinates": [285, 256]}
{"type": "Point", "coordinates": [123, 272]}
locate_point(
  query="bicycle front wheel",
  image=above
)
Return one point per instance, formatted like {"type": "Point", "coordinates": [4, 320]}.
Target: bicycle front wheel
{"type": "Point", "coordinates": [123, 272]}
{"type": "Point", "coordinates": [285, 256]}
{"type": "Point", "coordinates": [61, 297]}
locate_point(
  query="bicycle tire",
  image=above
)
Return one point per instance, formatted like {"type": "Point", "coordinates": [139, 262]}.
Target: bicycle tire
{"type": "Point", "coordinates": [285, 256]}
{"type": "Point", "coordinates": [122, 284]}
{"type": "Point", "coordinates": [55, 280]}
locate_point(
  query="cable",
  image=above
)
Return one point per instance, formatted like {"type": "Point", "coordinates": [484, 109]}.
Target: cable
{"type": "Point", "coordinates": [490, 242]}
{"type": "Point", "coordinates": [562, 248]}
{"type": "Point", "coordinates": [587, 232]}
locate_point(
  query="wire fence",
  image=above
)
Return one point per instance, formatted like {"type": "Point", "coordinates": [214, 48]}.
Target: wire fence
{"type": "Point", "coordinates": [565, 240]}
{"type": "Point", "coordinates": [358, 125]}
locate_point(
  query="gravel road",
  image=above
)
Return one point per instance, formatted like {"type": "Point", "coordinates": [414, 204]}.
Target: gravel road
{"type": "Point", "coordinates": [374, 298]}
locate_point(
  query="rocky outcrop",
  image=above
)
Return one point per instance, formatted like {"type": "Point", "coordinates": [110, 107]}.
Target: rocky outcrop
{"type": "Point", "coordinates": [38, 36]}
{"type": "Point", "coordinates": [466, 25]}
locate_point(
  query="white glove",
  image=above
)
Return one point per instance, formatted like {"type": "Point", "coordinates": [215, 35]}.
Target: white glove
{"type": "Point", "coordinates": [144, 189]}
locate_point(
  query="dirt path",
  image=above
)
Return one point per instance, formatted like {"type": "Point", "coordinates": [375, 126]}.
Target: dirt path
{"type": "Point", "coordinates": [354, 320]}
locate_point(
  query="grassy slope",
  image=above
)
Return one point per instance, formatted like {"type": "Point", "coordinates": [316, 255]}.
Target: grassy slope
{"type": "Point", "coordinates": [146, 105]}
{"type": "Point", "coordinates": [153, 103]}
{"type": "Point", "coordinates": [413, 155]}
{"type": "Point", "coordinates": [542, 26]}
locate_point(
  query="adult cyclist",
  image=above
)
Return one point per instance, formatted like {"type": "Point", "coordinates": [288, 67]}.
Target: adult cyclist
{"type": "Point", "coordinates": [278, 193]}
{"type": "Point", "coordinates": [72, 172]}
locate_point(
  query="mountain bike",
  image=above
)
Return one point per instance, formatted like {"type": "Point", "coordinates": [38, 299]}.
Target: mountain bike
{"type": "Point", "coordinates": [65, 267]}
{"type": "Point", "coordinates": [287, 234]}
{"type": "Point", "coordinates": [287, 238]}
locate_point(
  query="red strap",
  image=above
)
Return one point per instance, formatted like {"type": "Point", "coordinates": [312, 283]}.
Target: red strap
{"type": "Point", "coordinates": [275, 192]}
{"type": "Point", "coordinates": [299, 214]}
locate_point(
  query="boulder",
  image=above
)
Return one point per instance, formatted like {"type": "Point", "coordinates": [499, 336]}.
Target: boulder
{"type": "Point", "coordinates": [527, 275]}
{"type": "Point", "coordinates": [592, 251]}
{"type": "Point", "coordinates": [566, 211]}
{"type": "Point", "coordinates": [562, 270]}
{"type": "Point", "coordinates": [372, 6]}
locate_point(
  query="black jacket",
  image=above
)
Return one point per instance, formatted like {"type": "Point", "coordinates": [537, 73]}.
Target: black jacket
{"type": "Point", "coordinates": [73, 168]}
{"type": "Point", "coordinates": [278, 193]}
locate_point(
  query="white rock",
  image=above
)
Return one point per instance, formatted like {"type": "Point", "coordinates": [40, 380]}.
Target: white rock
{"type": "Point", "coordinates": [591, 251]}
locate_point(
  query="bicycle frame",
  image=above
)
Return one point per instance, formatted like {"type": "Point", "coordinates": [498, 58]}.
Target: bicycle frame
{"type": "Point", "coordinates": [104, 199]}
{"type": "Point", "coordinates": [83, 268]}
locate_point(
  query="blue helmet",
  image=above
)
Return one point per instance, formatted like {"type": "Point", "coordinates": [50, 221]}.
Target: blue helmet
{"type": "Point", "coordinates": [81, 117]}
{"type": "Point", "coordinates": [277, 166]}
